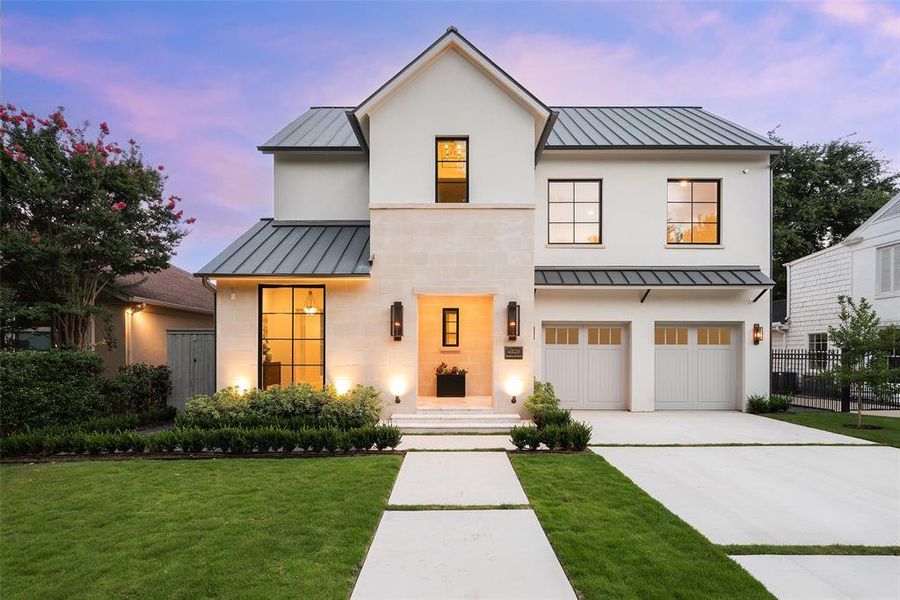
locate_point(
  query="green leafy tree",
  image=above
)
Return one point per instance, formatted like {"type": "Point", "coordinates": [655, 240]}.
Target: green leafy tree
{"type": "Point", "coordinates": [822, 192]}
{"type": "Point", "coordinates": [865, 347]}
{"type": "Point", "coordinates": [76, 212]}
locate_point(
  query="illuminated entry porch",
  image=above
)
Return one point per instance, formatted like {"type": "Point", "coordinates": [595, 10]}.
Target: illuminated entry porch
{"type": "Point", "coordinates": [456, 331]}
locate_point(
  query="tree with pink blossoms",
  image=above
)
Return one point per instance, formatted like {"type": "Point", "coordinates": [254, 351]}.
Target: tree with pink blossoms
{"type": "Point", "coordinates": [77, 211]}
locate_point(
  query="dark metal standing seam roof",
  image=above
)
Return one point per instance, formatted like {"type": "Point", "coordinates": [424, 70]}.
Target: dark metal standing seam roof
{"type": "Point", "coordinates": [652, 276]}
{"type": "Point", "coordinates": [296, 248]}
{"type": "Point", "coordinates": [576, 128]}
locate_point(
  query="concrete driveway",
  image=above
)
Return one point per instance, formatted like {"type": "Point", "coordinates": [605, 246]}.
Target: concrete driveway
{"type": "Point", "coordinates": [700, 427]}
{"type": "Point", "coordinates": [784, 495]}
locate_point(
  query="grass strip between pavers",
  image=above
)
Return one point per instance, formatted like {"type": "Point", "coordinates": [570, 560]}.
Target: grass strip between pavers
{"type": "Point", "coordinates": [836, 549]}
{"type": "Point", "coordinates": [889, 434]}
{"type": "Point", "coordinates": [730, 445]}
{"type": "Point", "coordinates": [233, 528]}
{"type": "Point", "coordinates": [615, 541]}
{"type": "Point", "coordinates": [415, 507]}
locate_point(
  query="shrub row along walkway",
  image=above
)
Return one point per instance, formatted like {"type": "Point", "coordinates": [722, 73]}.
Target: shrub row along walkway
{"type": "Point", "coordinates": [459, 526]}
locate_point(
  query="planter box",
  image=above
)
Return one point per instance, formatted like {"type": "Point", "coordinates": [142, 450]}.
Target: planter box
{"type": "Point", "coordinates": [451, 386]}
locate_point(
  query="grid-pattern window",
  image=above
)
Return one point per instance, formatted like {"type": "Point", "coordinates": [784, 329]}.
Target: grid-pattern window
{"type": "Point", "coordinates": [671, 336]}
{"type": "Point", "coordinates": [561, 336]}
{"type": "Point", "coordinates": [450, 329]}
{"type": "Point", "coordinates": [292, 335]}
{"type": "Point", "coordinates": [888, 269]}
{"type": "Point", "coordinates": [451, 170]}
{"type": "Point", "coordinates": [818, 350]}
{"type": "Point", "coordinates": [574, 211]}
{"type": "Point", "coordinates": [693, 211]}
{"type": "Point", "coordinates": [604, 336]}
{"type": "Point", "coordinates": [714, 336]}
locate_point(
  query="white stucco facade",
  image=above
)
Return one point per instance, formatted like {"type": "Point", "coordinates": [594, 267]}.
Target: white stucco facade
{"type": "Point", "coordinates": [850, 268]}
{"type": "Point", "coordinates": [490, 246]}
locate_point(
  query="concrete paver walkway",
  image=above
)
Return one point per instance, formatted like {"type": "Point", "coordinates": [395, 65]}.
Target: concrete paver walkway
{"type": "Point", "coordinates": [461, 554]}
{"type": "Point", "coordinates": [457, 478]}
{"type": "Point", "coordinates": [826, 577]}
{"type": "Point", "coordinates": [443, 554]}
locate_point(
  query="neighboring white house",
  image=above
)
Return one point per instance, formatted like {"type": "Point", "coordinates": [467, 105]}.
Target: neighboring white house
{"type": "Point", "coordinates": [622, 253]}
{"type": "Point", "coordinates": [866, 264]}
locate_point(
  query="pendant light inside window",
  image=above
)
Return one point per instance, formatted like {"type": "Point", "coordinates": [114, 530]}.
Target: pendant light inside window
{"type": "Point", "coordinates": [310, 307]}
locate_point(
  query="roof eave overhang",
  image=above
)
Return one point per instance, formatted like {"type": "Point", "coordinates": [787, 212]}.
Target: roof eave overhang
{"type": "Point", "coordinates": [767, 149]}
{"type": "Point", "coordinates": [284, 275]}
{"type": "Point", "coordinates": [313, 149]}
{"type": "Point", "coordinates": [638, 286]}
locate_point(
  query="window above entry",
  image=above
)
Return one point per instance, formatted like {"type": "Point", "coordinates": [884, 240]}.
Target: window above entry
{"type": "Point", "coordinates": [451, 169]}
{"type": "Point", "coordinates": [692, 212]}
{"type": "Point", "coordinates": [573, 211]}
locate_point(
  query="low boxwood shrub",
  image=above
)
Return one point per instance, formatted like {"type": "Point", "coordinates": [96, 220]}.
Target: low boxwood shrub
{"type": "Point", "coordinates": [545, 417]}
{"type": "Point", "coordinates": [759, 403]}
{"type": "Point", "coordinates": [569, 436]}
{"type": "Point", "coordinates": [192, 440]}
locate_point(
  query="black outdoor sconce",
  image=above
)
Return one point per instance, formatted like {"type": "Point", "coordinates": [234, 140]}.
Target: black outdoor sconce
{"type": "Point", "coordinates": [512, 320]}
{"type": "Point", "coordinates": [397, 320]}
{"type": "Point", "coordinates": [757, 334]}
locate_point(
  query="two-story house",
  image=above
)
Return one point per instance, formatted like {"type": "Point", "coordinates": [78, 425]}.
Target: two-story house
{"type": "Point", "coordinates": [621, 253]}
{"type": "Point", "coordinates": [866, 264]}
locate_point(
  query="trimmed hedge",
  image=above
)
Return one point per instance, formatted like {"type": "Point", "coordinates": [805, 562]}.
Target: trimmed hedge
{"type": "Point", "coordinates": [191, 440]}
{"type": "Point", "coordinates": [56, 387]}
{"type": "Point", "coordinates": [293, 406]}
{"type": "Point", "coordinates": [137, 388]}
{"type": "Point", "coordinates": [759, 403]}
{"type": "Point", "coordinates": [568, 436]}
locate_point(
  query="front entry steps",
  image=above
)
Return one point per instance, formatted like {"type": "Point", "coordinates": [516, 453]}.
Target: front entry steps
{"type": "Point", "coordinates": [456, 420]}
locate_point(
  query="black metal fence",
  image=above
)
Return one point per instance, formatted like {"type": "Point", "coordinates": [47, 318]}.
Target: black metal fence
{"type": "Point", "coordinates": [808, 378]}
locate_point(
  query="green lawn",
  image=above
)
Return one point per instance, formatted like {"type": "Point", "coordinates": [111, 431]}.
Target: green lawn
{"type": "Point", "coordinates": [615, 541]}
{"type": "Point", "coordinates": [233, 528]}
{"type": "Point", "coordinates": [889, 434]}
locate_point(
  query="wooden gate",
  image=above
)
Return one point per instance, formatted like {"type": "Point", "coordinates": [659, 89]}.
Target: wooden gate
{"type": "Point", "coordinates": [192, 363]}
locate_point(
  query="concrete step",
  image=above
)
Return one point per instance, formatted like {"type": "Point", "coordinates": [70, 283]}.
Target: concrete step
{"type": "Point", "coordinates": [459, 420]}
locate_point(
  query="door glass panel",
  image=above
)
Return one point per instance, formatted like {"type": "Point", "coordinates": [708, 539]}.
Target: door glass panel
{"type": "Point", "coordinates": [702, 335]}
{"type": "Point", "coordinates": [681, 336]}
{"type": "Point", "coordinates": [592, 336]}
{"type": "Point", "coordinates": [573, 335]}
{"type": "Point", "coordinates": [659, 335]}
{"type": "Point", "coordinates": [615, 336]}
{"type": "Point", "coordinates": [725, 336]}
{"type": "Point", "coordinates": [550, 335]}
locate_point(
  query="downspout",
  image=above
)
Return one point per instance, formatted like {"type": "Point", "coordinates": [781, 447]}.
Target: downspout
{"type": "Point", "coordinates": [205, 281]}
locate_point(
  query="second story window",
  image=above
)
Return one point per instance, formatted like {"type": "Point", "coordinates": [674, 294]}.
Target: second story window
{"type": "Point", "coordinates": [887, 264]}
{"type": "Point", "coordinates": [693, 211]}
{"type": "Point", "coordinates": [573, 211]}
{"type": "Point", "coordinates": [452, 169]}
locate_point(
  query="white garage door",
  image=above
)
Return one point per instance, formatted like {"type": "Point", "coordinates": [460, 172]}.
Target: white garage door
{"type": "Point", "coordinates": [696, 367]}
{"type": "Point", "coordinates": [586, 365]}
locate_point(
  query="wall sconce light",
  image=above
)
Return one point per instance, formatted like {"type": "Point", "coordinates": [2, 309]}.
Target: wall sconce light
{"type": "Point", "coordinates": [397, 389]}
{"type": "Point", "coordinates": [757, 334]}
{"type": "Point", "coordinates": [135, 308]}
{"type": "Point", "coordinates": [514, 388]}
{"type": "Point", "coordinates": [397, 320]}
{"type": "Point", "coordinates": [512, 320]}
{"type": "Point", "coordinates": [341, 385]}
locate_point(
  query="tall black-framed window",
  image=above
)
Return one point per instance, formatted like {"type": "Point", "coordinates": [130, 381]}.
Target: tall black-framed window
{"type": "Point", "coordinates": [574, 211]}
{"type": "Point", "coordinates": [291, 335]}
{"type": "Point", "coordinates": [450, 328]}
{"type": "Point", "coordinates": [693, 211]}
{"type": "Point", "coordinates": [451, 169]}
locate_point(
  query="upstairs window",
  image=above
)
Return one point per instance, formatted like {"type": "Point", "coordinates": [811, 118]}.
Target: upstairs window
{"type": "Point", "coordinates": [573, 211]}
{"type": "Point", "coordinates": [888, 269]}
{"type": "Point", "coordinates": [693, 211]}
{"type": "Point", "coordinates": [451, 169]}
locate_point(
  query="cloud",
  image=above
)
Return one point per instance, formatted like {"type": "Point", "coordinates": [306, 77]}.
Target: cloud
{"type": "Point", "coordinates": [880, 18]}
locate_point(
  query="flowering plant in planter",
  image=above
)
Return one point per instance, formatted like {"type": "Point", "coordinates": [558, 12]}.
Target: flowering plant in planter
{"type": "Point", "coordinates": [443, 369]}
{"type": "Point", "coordinates": [451, 381]}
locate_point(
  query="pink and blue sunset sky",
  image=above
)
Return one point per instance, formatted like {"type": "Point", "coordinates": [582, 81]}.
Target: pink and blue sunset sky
{"type": "Point", "coordinates": [201, 84]}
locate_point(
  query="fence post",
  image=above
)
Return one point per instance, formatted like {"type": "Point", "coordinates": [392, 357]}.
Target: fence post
{"type": "Point", "coordinates": [845, 388]}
